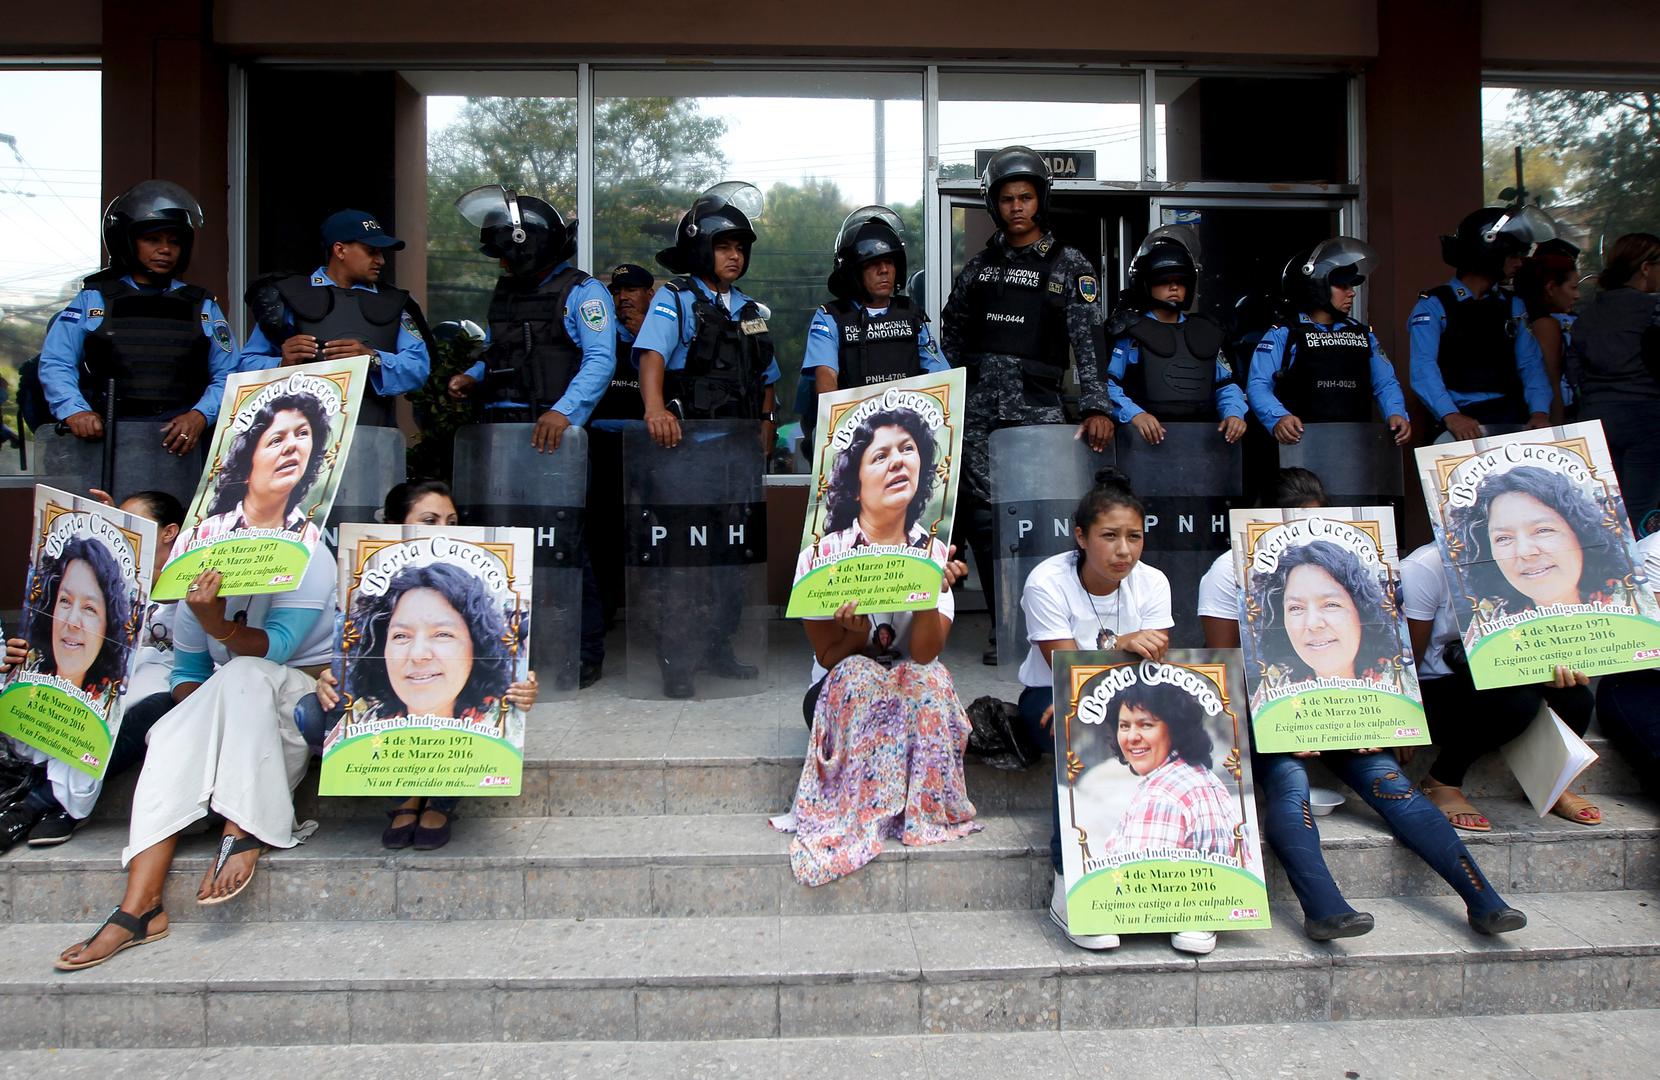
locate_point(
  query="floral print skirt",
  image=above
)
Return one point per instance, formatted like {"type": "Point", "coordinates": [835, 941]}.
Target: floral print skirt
{"type": "Point", "coordinates": [885, 760]}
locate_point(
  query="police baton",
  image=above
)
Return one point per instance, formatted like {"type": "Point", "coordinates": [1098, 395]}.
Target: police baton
{"type": "Point", "coordinates": [109, 435]}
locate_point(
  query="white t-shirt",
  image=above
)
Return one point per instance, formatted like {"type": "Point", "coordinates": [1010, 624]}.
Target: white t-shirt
{"type": "Point", "coordinates": [900, 621]}
{"type": "Point", "coordinates": [1219, 590]}
{"type": "Point", "coordinates": [1426, 598]}
{"type": "Point", "coordinates": [1058, 608]}
{"type": "Point", "coordinates": [154, 663]}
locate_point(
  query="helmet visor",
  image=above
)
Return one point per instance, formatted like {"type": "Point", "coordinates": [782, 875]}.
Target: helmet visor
{"type": "Point", "coordinates": [743, 197]}
{"type": "Point", "coordinates": [852, 230]}
{"type": "Point", "coordinates": [1342, 261]}
{"type": "Point", "coordinates": [157, 201]}
{"type": "Point", "coordinates": [1182, 235]}
{"type": "Point", "coordinates": [1525, 227]}
{"type": "Point", "coordinates": [488, 206]}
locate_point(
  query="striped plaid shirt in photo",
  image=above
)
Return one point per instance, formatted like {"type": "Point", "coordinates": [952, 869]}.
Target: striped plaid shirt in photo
{"type": "Point", "coordinates": [1178, 806]}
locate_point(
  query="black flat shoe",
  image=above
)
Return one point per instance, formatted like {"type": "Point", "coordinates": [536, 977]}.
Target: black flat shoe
{"type": "Point", "coordinates": [432, 839]}
{"type": "Point", "coordinates": [398, 837]}
{"type": "Point", "coordinates": [1347, 924]}
{"type": "Point", "coordinates": [54, 828]}
{"type": "Point", "coordinates": [1502, 921]}
{"type": "Point", "coordinates": [15, 823]}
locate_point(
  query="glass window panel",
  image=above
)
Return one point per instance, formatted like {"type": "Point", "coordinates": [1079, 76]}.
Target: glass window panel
{"type": "Point", "coordinates": [1587, 157]}
{"type": "Point", "coordinates": [50, 208]}
{"type": "Point", "coordinates": [987, 111]}
{"type": "Point", "coordinates": [818, 144]}
{"type": "Point", "coordinates": [1211, 128]}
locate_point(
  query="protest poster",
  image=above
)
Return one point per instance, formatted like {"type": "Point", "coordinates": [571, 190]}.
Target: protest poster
{"type": "Point", "coordinates": [435, 628]}
{"type": "Point", "coordinates": [1152, 769]}
{"type": "Point", "coordinates": [277, 457]}
{"type": "Point", "coordinates": [83, 612]}
{"type": "Point", "coordinates": [1539, 554]}
{"type": "Point", "coordinates": [885, 464]}
{"type": "Point", "coordinates": [1328, 663]}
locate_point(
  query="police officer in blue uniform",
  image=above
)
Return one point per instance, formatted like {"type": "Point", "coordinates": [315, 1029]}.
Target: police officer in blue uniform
{"type": "Point", "coordinates": [1322, 365]}
{"type": "Point", "coordinates": [1167, 359]}
{"type": "Point", "coordinates": [552, 347]}
{"type": "Point", "coordinates": [343, 309]}
{"type": "Point", "coordinates": [704, 352]}
{"type": "Point", "coordinates": [631, 287]}
{"type": "Point", "coordinates": [1018, 311]}
{"type": "Point", "coordinates": [1473, 360]}
{"type": "Point", "coordinates": [165, 343]}
{"type": "Point", "coordinates": [871, 332]}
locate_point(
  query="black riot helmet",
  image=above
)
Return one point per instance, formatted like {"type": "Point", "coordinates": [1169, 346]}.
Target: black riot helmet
{"type": "Point", "coordinates": [1489, 236]}
{"type": "Point", "coordinates": [727, 209]}
{"type": "Point", "coordinates": [1170, 253]}
{"type": "Point", "coordinates": [522, 230]}
{"type": "Point", "coordinates": [146, 207]}
{"type": "Point", "coordinates": [869, 233]}
{"type": "Point", "coordinates": [1309, 277]}
{"type": "Point", "coordinates": [1016, 163]}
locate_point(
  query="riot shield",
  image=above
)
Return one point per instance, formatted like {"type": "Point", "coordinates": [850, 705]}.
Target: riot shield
{"type": "Point", "coordinates": [1189, 482]}
{"type": "Point", "coordinates": [1038, 474]}
{"type": "Point", "coordinates": [1359, 464]}
{"type": "Point", "coordinates": [376, 466]}
{"type": "Point", "coordinates": [141, 462]}
{"type": "Point", "coordinates": [500, 479]}
{"type": "Point", "coordinates": [695, 561]}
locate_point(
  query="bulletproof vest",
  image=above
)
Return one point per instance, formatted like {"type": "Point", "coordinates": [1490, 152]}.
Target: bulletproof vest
{"type": "Point", "coordinates": [328, 313]}
{"type": "Point", "coordinates": [1477, 353]}
{"type": "Point", "coordinates": [1018, 308]}
{"type": "Point", "coordinates": [1176, 376]}
{"type": "Point", "coordinates": [876, 348]}
{"type": "Point", "coordinates": [1327, 374]}
{"type": "Point", "coordinates": [725, 362]}
{"type": "Point", "coordinates": [154, 345]}
{"type": "Point", "coordinates": [531, 357]}
{"type": "Point", "coordinates": [621, 400]}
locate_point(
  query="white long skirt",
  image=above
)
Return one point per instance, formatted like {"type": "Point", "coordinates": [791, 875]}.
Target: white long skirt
{"type": "Point", "coordinates": [231, 746]}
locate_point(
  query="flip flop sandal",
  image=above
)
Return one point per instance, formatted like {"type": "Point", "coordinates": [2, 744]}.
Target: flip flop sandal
{"type": "Point", "coordinates": [137, 926]}
{"type": "Point", "coordinates": [1571, 807]}
{"type": "Point", "coordinates": [229, 846]}
{"type": "Point", "coordinates": [1456, 806]}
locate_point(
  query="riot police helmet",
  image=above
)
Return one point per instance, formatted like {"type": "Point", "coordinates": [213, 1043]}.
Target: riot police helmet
{"type": "Point", "coordinates": [148, 207]}
{"type": "Point", "coordinates": [1015, 163]}
{"type": "Point", "coordinates": [523, 231]}
{"type": "Point", "coordinates": [728, 209]}
{"type": "Point", "coordinates": [1170, 253]}
{"type": "Point", "coordinates": [869, 233]}
{"type": "Point", "coordinates": [1310, 276]}
{"type": "Point", "coordinates": [1489, 236]}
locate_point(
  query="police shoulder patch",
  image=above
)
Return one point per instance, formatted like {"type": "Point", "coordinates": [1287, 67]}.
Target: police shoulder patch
{"type": "Point", "coordinates": [407, 321]}
{"type": "Point", "coordinates": [1089, 289]}
{"type": "Point", "coordinates": [95, 313]}
{"type": "Point", "coordinates": [593, 316]}
{"type": "Point", "coordinates": [222, 335]}
{"type": "Point", "coordinates": [70, 315]}
{"type": "Point", "coordinates": [1225, 365]}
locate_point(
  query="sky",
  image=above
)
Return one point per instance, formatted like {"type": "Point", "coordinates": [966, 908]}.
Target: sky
{"type": "Point", "coordinates": [49, 184]}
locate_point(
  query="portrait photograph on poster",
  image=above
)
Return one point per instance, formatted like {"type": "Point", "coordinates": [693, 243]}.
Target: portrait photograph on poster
{"type": "Point", "coordinates": [1152, 770]}
{"type": "Point", "coordinates": [1327, 657]}
{"type": "Point", "coordinates": [435, 630]}
{"type": "Point", "coordinates": [87, 591]}
{"type": "Point", "coordinates": [1540, 556]}
{"type": "Point", "coordinates": [276, 461]}
{"type": "Point", "coordinates": [885, 464]}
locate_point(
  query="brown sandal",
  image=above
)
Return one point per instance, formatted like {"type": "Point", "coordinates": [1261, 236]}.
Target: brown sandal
{"type": "Point", "coordinates": [1578, 810]}
{"type": "Point", "coordinates": [1451, 802]}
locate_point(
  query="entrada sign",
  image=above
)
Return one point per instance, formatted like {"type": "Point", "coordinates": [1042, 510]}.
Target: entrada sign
{"type": "Point", "coordinates": [1063, 164]}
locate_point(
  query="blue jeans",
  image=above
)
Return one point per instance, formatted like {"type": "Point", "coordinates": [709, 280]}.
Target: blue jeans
{"type": "Point", "coordinates": [1377, 778]}
{"type": "Point", "coordinates": [1033, 700]}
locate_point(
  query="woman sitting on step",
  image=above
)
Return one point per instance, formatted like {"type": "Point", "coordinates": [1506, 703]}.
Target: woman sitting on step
{"type": "Point", "coordinates": [230, 746]}
{"type": "Point", "coordinates": [885, 757]}
{"type": "Point", "coordinates": [1628, 702]}
{"type": "Point", "coordinates": [1375, 775]}
{"type": "Point", "coordinates": [436, 595]}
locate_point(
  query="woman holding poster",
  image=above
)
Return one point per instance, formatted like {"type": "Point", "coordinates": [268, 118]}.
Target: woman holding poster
{"type": "Point", "coordinates": [1324, 616]}
{"type": "Point", "coordinates": [878, 489]}
{"type": "Point", "coordinates": [77, 623]}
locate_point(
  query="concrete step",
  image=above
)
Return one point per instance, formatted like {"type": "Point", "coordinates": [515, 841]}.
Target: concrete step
{"type": "Point", "coordinates": [806, 976]}
{"type": "Point", "coordinates": [1533, 1047]}
{"type": "Point", "coordinates": [681, 866]}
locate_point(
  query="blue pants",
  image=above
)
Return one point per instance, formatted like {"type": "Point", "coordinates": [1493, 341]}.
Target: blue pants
{"type": "Point", "coordinates": [136, 721]}
{"type": "Point", "coordinates": [1033, 700]}
{"type": "Point", "coordinates": [1377, 778]}
{"type": "Point", "coordinates": [1634, 447]}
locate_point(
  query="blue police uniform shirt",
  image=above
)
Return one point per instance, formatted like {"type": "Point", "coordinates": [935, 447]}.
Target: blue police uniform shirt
{"type": "Point", "coordinates": [1269, 360]}
{"type": "Point", "coordinates": [1230, 400]}
{"type": "Point", "coordinates": [65, 344]}
{"type": "Point", "coordinates": [595, 332]}
{"type": "Point", "coordinates": [397, 373]}
{"type": "Point", "coordinates": [824, 350]}
{"type": "Point", "coordinates": [625, 340]}
{"type": "Point", "coordinates": [670, 326]}
{"type": "Point", "coordinates": [1424, 328]}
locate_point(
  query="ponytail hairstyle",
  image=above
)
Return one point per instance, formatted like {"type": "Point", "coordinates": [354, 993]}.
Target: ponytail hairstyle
{"type": "Point", "coordinates": [1626, 258]}
{"type": "Point", "coordinates": [1112, 490]}
{"type": "Point", "coordinates": [1297, 487]}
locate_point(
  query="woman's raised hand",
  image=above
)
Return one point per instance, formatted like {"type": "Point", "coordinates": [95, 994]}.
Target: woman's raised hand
{"type": "Point", "coordinates": [522, 695]}
{"type": "Point", "coordinates": [848, 618]}
{"type": "Point", "coordinates": [328, 691]}
{"type": "Point", "coordinates": [17, 651]}
{"type": "Point", "coordinates": [955, 569]}
{"type": "Point", "coordinates": [1150, 644]}
{"type": "Point", "coordinates": [1567, 676]}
